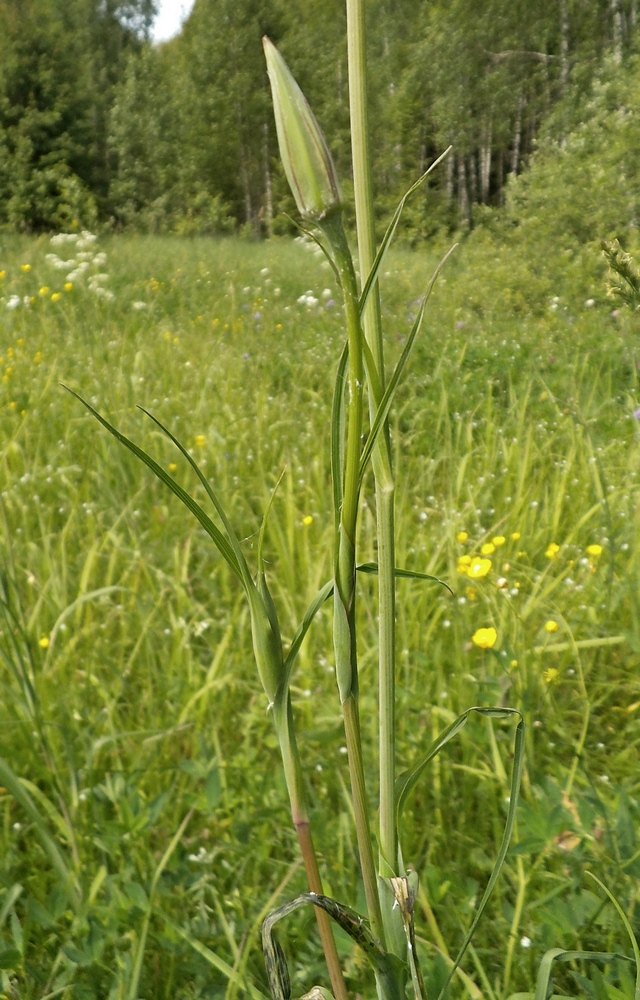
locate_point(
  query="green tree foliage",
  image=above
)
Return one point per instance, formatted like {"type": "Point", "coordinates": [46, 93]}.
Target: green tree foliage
{"type": "Point", "coordinates": [95, 121]}
{"type": "Point", "coordinates": [59, 62]}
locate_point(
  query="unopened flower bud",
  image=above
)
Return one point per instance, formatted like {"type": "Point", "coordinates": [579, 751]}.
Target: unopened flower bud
{"type": "Point", "coordinates": [304, 152]}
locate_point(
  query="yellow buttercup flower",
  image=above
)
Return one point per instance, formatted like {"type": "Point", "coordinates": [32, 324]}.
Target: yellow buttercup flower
{"type": "Point", "coordinates": [44, 642]}
{"type": "Point", "coordinates": [68, 286]}
{"type": "Point", "coordinates": [37, 358]}
{"type": "Point", "coordinates": [44, 290]}
{"type": "Point", "coordinates": [25, 268]}
{"type": "Point", "coordinates": [551, 675]}
{"type": "Point", "coordinates": [552, 550]}
{"type": "Point", "coordinates": [3, 274]}
{"type": "Point", "coordinates": [462, 537]}
{"type": "Point", "coordinates": [485, 638]}
{"type": "Point", "coordinates": [307, 520]}
{"type": "Point", "coordinates": [515, 536]}
{"type": "Point", "coordinates": [551, 626]}
{"type": "Point", "coordinates": [478, 568]}
{"type": "Point", "coordinates": [488, 549]}
{"type": "Point", "coordinates": [594, 550]}
{"type": "Point", "coordinates": [56, 296]}
{"type": "Point", "coordinates": [498, 540]}
{"type": "Point", "coordinates": [200, 440]}
{"type": "Point", "coordinates": [173, 467]}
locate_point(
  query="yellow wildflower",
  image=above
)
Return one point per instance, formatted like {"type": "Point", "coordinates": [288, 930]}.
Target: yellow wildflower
{"type": "Point", "coordinates": [552, 550]}
{"type": "Point", "coordinates": [594, 550]}
{"type": "Point", "coordinates": [200, 440]}
{"type": "Point", "coordinates": [551, 626]}
{"type": "Point", "coordinates": [462, 537]}
{"type": "Point", "coordinates": [3, 274]}
{"type": "Point", "coordinates": [463, 563]}
{"type": "Point", "coordinates": [173, 467]}
{"type": "Point", "coordinates": [485, 638]}
{"type": "Point", "coordinates": [56, 296]}
{"type": "Point", "coordinates": [488, 549]}
{"type": "Point", "coordinates": [498, 540]}
{"type": "Point", "coordinates": [25, 268]}
{"type": "Point", "coordinates": [44, 642]}
{"type": "Point", "coordinates": [471, 594]}
{"type": "Point", "coordinates": [37, 358]}
{"type": "Point", "coordinates": [68, 286]}
{"type": "Point", "coordinates": [551, 675]}
{"type": "Point", "coordinates": [513, 664]}
{"type": "Point", "coordinates": [44, 290]}
{"type": "Point", "coordinates": [478, 568]}
{"type": "Point", "coordinates": [515, 536]}
{"type": "Point", "coordinates": [307, 520]}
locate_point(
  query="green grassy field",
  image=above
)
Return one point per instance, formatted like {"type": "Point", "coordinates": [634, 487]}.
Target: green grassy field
{"type": "Point", "coordinates": [130, 703]}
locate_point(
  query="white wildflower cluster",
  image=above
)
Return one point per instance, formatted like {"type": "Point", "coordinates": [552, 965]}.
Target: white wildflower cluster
{"type": "Point", "coordinates": [87, 261]}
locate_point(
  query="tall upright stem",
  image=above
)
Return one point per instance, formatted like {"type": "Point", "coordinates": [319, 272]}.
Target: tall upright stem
{"type": "Point", "coordinates": [385, 487]}
{"type": "Point", "coordinates": [344, 628]}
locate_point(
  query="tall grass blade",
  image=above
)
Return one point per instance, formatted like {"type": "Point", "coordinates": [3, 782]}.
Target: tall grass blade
{"type": "Point", "coordinates": [385, 404]}
{"type": "Point", "coordinates": [627, 926]}
{"type": "Point", "coordinates": [405, 574]}
{"type": "Point", "coordinates": [212, 530]}
{"type": "Point", "coordinates": [545, 968]}
{"type": "Point", "coordinates": [132, 993]}
{"type": "Point", "coordinates": [217, 962]}
{"type": "Point", "coordinates": [9, 901]}
{"type": "Point", "coordinates": [233, 539]}
{"type": "Point", "coordinates": [407, 780]}
{"type": "Point", "coordinates": [391, 229]}
{"type": "Point", "coordinates": [20, 794]}
{"type": "Point", "coordinates": [337, 433]}
{"type": "Point", "coordinates": [323, 595]}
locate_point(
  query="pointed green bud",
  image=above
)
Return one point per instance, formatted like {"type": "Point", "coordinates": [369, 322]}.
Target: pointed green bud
{"type": "Point", "coordinates": [305, 155]}
{"type": "Point", "coordinates": [267, 645]}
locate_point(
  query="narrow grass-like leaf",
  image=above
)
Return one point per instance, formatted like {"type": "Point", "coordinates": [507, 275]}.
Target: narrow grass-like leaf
{"type": "Point", "coordinates": [132, 993]}
{"type": "Point", "coordinates": [263, 526]}
{"type": "Point", "coordinates": [9, 901]}
{"type": "Point", "coordinates": [391, 228]}
{"type": "Point", "coordinates": [314, 239]}
{"type": "Point", "coordinates": [212, 530]}
{"type": "Point", "coordinates": [408, 779]}
{"type": "Point", "coordinates": [351, 922]}
{"type": "Point", "coordinates": [514, 792]}
{"type": "Point", "coordinates": [217, 962]}
{"type": "Point", "coordinates": [20, 794]}
{"type": "Point", "coordinates": [233, 539]}
{"type": "Point", "coordinates": [337, 433]}
{"type": "Point", "coordinates": [407, 574]}
{"type": "Point", "coordinates": [627, 926]}
{"type": "Point", "coordinates": [385, 404]}
{"type": "Point", "coordinates": [323, 595]}
{"type": "Point", "coordinates": [560, 955]}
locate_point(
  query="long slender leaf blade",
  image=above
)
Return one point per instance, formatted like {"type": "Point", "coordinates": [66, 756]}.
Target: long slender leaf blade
{"type": "Point", "coordinates": [627, 926]}
{"type": "Point", "coordinates": [337, 433]}
{"type": "Point", "coordinates": [407, 574]}
{"type": "Point", "coordinates": [560, 955]}
{"type": "Point", "coordinates": [391, 228]}
{"type": "Point", "coordinates": [323, 595]}
{"type": "Point", "coordinates": [516, 777]}
{"type": "Point", "coordinates": [314, 239]}
{"type": "Point", "coordinates": [385, 405]}
{"type": "Point", "coordinates": [10, 781]}
{"type": "Point", "coordinates": [233, 539]}
{"type": "Point", "coordinates": [212, 530]}
{"type": "Point", "coordinates": [217, 962]}
{"type": "Point", "coordinates": [9, 901]}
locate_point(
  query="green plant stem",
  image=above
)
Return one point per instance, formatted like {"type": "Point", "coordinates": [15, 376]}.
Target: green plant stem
{"type": "Point", "coordinates": [283, 718]}
{"type": "Point", "coordinates": [384, 483]}
{"type": "Point", "coordinates": [515, 923]}
{"type": "Point", "coordinates": [345, 571]}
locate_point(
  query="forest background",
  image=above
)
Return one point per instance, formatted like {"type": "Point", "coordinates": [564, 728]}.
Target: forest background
{"type": "Point", "coordinates": [99, 126]}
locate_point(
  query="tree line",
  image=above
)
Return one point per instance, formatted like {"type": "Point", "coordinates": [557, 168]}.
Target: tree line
{"type": "Point", "coordinates": [97, 125]}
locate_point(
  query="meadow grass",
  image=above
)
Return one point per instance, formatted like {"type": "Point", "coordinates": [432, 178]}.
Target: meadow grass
{"type": "Point", "coordinates": [130, 700]}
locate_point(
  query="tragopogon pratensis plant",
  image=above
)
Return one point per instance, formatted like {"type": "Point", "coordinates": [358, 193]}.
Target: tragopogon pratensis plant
{"type": "Point", "coordinates": [362, 400]}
